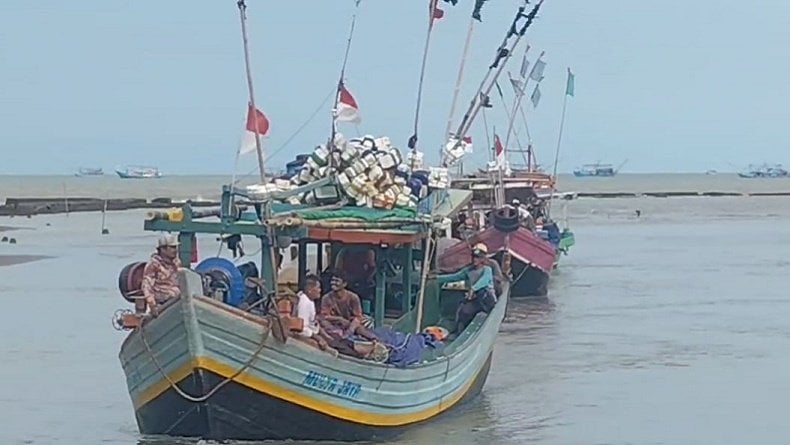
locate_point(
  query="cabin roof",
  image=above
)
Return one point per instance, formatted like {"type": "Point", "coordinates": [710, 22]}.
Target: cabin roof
{"type": "Point", "coordinates": [366, 236]}
{"type": "Point", "coordinates": [347, 212]}
{"type": "Point", "coordinates": [348, 224]}
{"type": "Point", "coordinates": [439, 204]}
{"type": "Point", "coordinates": [380, 226]}
{"type": "Point", "coordinates": [453, 202]}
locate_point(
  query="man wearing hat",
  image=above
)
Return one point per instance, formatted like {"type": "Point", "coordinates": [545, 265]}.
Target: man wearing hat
{"type": "Point", "coordinates": [160, 276]}
{"type": "Point", "coordinates": [525, 218]}
{"type": "Point", "coordinates": [479, 281]}
{"type": "Point", "coordinates": [496, 269]}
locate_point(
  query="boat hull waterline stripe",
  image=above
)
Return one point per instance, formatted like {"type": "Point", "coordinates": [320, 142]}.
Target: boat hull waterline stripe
{"type": "Point", "coordinates": [328, 408]}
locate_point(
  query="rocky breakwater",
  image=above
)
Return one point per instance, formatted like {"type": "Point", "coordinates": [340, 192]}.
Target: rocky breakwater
{"type": "Point", "coordinates": [40, 206]}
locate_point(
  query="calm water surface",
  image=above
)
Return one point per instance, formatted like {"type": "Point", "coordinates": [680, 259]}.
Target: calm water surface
{"type": "Point", "coordinates": [672, 328]}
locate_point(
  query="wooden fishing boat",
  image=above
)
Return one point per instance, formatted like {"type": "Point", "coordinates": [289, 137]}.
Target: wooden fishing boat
{"type": "Point", "coordinates": [535, 254]}
{"type": "Point", "coordinates": [520, 185]}
{"type": "Point", "coordinates": [206, 367]}
{"type": "Point", "coordinates": [138, 172]}
{"type": "Point", "coordinates": [532, 255]}
{"type": "Point", "coordinates": [598, 170]}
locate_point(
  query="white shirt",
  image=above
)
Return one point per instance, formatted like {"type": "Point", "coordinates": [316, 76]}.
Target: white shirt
{"type": "Point", "coordinates": [305, 310]}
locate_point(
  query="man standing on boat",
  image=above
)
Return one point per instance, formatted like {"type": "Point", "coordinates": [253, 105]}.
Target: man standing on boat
{"type": "Point", "coordinates": [480, 281]}
{"type": "Point", "coordinates": [305, 309]}
{"type": "Point", "coordinates": [524, 216]}
{"type": "Point", "coordinates": [359, 266]}
{"type": "Point", "coordinates": [160, 276]}
{"type": "Point", "coordinates": [496, 269]}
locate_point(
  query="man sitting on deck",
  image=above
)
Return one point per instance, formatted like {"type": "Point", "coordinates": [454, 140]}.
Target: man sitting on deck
{"type": "Point", "coordinates": [305, 309]}
{"type": "Point", "coordinates": [160, 276]}
{"type": "Point", "coordinates": [341, 315]}
{"type": "Point", "coordinates": [479, 280]}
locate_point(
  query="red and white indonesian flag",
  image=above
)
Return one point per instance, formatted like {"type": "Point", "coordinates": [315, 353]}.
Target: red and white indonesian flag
{"type": "Point", "coordinates": [347, 108]}
{"type": "Point", "coordinates": [256, 123]}
{"type": "Point", "coordinates": [433, 11]}
{"type": "Point", "coordinates": [499, 152]}
{"type": "Point", "coordinates": [467, 144]}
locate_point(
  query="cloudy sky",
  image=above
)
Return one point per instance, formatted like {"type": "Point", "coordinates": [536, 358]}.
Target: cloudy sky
{"type": "Point", "coordinates": [672, 86]}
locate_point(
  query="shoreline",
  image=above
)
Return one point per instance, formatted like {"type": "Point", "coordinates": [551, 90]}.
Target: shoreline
{"type": "Point", "coordinates": [15, 259]}
{"type": "Point", "coordinates": [42, 206]}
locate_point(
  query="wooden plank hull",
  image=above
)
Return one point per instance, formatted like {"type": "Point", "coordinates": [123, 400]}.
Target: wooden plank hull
{"type": "Point", "coordinates": [524, 245]}
{"type": "Point", "coordinates": [532, 258]}
{"type": "Point", "coordinates": [290, 390]}
{"type": "Point", "coordinates": [528, 281]}
{"type": "Point", "coordinates": [236, 412]}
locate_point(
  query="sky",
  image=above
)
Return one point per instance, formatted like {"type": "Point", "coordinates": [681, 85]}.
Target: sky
{"type": "Point", "coordinates": [671, 86]}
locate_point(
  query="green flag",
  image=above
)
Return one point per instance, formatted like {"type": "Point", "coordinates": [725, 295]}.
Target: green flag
{"type": "Point", "coordinates": [571, 85]}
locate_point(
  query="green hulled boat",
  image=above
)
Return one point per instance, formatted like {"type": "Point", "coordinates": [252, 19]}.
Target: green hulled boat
{"type": "Point", "coordinates": [206, 367]}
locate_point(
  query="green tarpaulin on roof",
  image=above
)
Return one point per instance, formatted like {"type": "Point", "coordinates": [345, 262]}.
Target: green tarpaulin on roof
{"type": "Point", "coordinates": [362, 213]}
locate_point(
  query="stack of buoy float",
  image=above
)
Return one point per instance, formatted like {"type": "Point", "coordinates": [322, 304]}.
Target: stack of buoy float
{"type": "Point", "coordinates": [455, 150]}
{"type": "Point", "coordinates": [370, 171]}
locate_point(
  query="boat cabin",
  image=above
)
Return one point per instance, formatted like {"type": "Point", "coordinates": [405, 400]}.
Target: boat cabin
{"type": "Point", "coordinates": [381, 251]}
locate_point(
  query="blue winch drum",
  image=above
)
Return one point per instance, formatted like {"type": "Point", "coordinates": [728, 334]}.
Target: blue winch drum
{"type": "Point", "coordinates": [235, 294]}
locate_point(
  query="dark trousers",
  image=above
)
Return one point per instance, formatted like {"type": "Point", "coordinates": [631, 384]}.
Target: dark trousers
{"type": "Point", "coordinates": [483, 301]}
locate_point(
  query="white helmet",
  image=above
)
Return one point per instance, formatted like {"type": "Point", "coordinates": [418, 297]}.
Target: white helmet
{"type": "Point", "coordinates": [168, 240]}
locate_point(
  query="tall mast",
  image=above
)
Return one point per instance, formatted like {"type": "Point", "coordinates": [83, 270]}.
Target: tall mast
{"type": "Point", "coordinates": [516, 106]}
{"type": "Point", "coordinates": [432, 16]}
{"type": "Point", "coordinates": [504, 53]}
{"type": "Point", "coordinates": [331, 143]}
{"type": "Point", "coordinates": [457, 90]}
{"type": "Point", "coordinates": [243, 18]}
{"type": "Point", "coordinates": [570, 90]}
{"type": "Point", "coordinates": [507, 114]}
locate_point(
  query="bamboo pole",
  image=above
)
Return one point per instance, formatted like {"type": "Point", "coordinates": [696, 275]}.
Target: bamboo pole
{"type": "Point", "coordinates": [426, 266]}
{"type": "Point", "coordinates": [557, 153]}
{"type": "Point", "coordinates": [65, 200]}
{"type": "Point", "coordinates": [456, 92]}
{"type": "Point", "coordinates": [243, 18]}
{"type": "Point", "coordinates": [104, 230]}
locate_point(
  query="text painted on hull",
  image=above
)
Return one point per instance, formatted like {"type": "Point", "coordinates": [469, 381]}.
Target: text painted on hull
{"type": "Point", "coordinates": [332, 385]}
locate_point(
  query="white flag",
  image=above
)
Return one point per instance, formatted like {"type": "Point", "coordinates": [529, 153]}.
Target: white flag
{"type": "Point", "coordinates": [524, 66]}
{"type": "Point", "coordinates": [535, 98]}
{"type": "Point", "coordinates": [537, 70]}
{"type": "Point", "coordinates": [518, 86]}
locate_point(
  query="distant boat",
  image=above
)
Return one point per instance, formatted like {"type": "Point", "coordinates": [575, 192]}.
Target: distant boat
{"type": "Point", "coordinates": [711, 172]}
{"type": "Point", "coordinates": [765, 171]}
{"type": "Point", "coordinates": [89, 171]}
{"type": "Point", "coordinates": [139, 172]}
{"type": "Point", "coordinates": [598, 169]}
